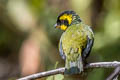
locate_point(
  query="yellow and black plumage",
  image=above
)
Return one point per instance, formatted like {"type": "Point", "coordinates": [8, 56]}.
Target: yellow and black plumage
{"type": "Point", "coordinates": [76, 41]}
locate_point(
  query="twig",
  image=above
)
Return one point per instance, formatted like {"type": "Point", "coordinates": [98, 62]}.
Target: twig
{"type": "Point", "coordinates": [114, 74]}
{"type": "Point", "coordinates": [61, 70]}
{"type": "Point", "coordinates": [103, 65]}
{"type": "Point", "coordinates": [43, 74]}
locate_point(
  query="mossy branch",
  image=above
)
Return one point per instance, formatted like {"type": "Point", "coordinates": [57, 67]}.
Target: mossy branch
{"type": "Point", "coordinates": [61, 70]}
{"type": "Point", "coordinates": [114, 75]}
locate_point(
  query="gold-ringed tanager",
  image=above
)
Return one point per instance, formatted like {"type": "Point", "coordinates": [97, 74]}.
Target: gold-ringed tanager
{"type": "Point", "coordinates": [76, 41]}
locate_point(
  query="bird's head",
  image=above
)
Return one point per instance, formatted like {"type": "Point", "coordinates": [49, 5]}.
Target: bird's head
{"type": "Point", "coordinates": [66, 19]}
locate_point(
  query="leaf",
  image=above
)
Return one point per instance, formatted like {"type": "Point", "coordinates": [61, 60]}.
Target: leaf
{"type": "Point", "coordinates": [50, 78]}
{"type": "Point", "coordinates": [56, 77]}
{"type": "Point", "coordinates": [59, 77]}
{"type": "Point", "coordinates": [56, 64]}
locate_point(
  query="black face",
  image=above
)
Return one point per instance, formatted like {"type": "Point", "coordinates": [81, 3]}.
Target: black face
{"type": "Point", "coordinates": [62, 22]}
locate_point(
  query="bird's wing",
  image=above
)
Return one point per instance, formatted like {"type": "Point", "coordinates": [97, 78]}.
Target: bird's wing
{"type": "Point", "coordinates": [90, 41]}
{"type": "Point", "coordinates": [87, 49]}
{"type": "Point", "coordinates": [61, 50]}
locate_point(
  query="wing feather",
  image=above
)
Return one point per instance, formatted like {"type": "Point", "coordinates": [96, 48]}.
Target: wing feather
{"type": "Point", "coordinates": [87, 49]}
{"type": "Point", "coordinates": [61, 51]}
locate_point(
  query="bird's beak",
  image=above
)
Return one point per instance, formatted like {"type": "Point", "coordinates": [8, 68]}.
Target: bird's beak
{"type": "Point", "coordinates": [56, 26]}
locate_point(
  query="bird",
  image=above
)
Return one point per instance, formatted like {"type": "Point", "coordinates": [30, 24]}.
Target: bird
{"type": "Point", "coordinates": [75, 42]}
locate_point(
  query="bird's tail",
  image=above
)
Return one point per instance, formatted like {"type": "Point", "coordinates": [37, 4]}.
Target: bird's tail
{"type": "Point", "coordinates": [74, 67]}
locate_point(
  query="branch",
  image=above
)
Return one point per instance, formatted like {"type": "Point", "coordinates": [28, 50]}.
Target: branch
{"type": "Point", "coordinates": [114, 74]}
{"type": "Point", "coordinates": [61, 70]}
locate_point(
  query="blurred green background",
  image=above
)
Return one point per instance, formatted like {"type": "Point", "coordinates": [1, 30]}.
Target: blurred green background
{"type": "Point", "coordinates": [29, 41]}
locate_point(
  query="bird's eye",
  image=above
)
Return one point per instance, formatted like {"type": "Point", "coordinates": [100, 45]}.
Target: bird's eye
{"type": "Point", "coordinates": [66, 22]}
